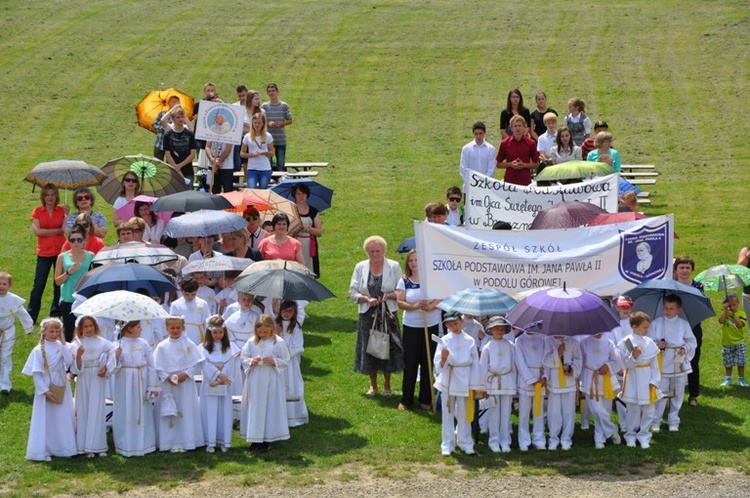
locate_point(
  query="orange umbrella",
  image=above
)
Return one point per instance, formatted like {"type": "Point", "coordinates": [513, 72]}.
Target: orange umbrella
{"type": "Point", "coordinates": [241, 199]}
{"type": "Point", "coordinates": [156, 101]}
{"type": "Point", "coordinates": [277, 204]}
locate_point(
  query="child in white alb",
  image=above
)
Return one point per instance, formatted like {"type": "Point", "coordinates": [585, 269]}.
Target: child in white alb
{"type": "Point", "coordinates": [599, 383]}
{"type": "Point", "coordinates": [11, 307]}
{"type": "Point", "coordinates": [623, 306]}
{"type": "Point", "coordinates": [674, 337]}
{"type": "Point", "coordinates": [532, 384]}
{"type": "Point", "coordinates": [192, 309]}
{"type": "Point", "coordinates": [562, 365]}
{"type": "Point", "coordinates": [497, 365]}
{"type": "Point", "coordinates": [640, 387]}
{"type": "Point", "coordinates": [456, 374]}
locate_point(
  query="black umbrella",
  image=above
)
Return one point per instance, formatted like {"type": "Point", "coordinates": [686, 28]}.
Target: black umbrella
{"type": "Point", "coordinates": [130, 277]}
{"type": "Point", "coordinates": [190, 200]}
{"type": "Point", "coordinates": [282, 280]}
{"type": "Point", "coordinates": [649, 298]}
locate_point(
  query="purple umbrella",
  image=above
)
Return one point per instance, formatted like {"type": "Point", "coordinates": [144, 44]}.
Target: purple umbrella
{"type": "Point", "coordinates": [566, 214]}
{"type": "Point", "coordinates": [565, 312]}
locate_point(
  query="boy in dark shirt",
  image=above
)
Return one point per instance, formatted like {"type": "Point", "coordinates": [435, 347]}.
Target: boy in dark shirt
{"type": "Point", "coordinates": [179, 145]}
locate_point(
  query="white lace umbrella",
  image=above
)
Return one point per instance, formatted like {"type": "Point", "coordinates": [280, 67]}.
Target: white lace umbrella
{"type": "Point", "coordinates": [122, 305]}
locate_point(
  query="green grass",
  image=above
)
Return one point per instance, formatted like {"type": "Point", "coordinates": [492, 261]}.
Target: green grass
{"type": "Point", "coordinates": [386, 91]}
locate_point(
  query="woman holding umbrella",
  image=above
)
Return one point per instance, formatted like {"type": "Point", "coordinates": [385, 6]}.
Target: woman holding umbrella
{"type": "Point", "coordinates": [47, 224]}
{"type": "Point", "coordinates": [420, 320]}
{"type": "Point", "coordinates": [83, 200]}
{"type": "Point", "coordinates": [154, 225]}
{"type": "Point", "coordinates": [374, 283]}
{"type": "Point", "coordinates": [312, 227]}
{"type": "Point", "coordinates": [278, 244]}
{"type": "Point", "coordinates": [129, 190]}
{"type": "Point", "coordinates": [70, 267]}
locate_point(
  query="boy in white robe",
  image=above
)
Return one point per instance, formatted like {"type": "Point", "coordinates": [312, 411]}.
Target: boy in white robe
{"type": "Point", "coordinates": [599, 383]}
{"type": "Point", "coordinates": [11, 307]}
{"type": "Point", "coordinates": [53, 429]}
{"type": "Point", "coordinates": [674, 337]}
{"type": "Point", "coordinates": [206, 293]}
{"type": "Point", "coordinates": [497, 365]}
{"type": "Point", "coordinates": [640, 385]}
{"type": "Point", "coordinates": [240, 324]}
{"type": "Point", "coordinates": [177, 359]}
{"type": "Point", "coordinates": [193, 309]}
{"type": "Point", "coordinates": [562, 365]}
{"type": "Point", "coordinates": [532, 383]}
{"type": "Point", "coordinates": [456, 374]}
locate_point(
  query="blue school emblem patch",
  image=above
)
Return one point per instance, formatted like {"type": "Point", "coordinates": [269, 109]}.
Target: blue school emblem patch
{"type": "Point", "coordinates": [643, 253]}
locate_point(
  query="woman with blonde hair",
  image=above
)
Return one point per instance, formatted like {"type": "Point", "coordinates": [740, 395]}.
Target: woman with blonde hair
{"type": "Point", "coordinates": [257, 148]}
{"type": "Point", "coordinates": [373, 284]}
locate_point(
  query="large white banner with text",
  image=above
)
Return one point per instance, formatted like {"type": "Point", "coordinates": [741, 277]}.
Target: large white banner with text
{"type": "Point", "coordinates": [489, 200]}
{"type": "Point", "coordinates": [606, 260]}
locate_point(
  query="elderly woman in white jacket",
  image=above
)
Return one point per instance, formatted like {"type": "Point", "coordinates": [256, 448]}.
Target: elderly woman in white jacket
{"type": "Point", "coordinates": [374, 281]}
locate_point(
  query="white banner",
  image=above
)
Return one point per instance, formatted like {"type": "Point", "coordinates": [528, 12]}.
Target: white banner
{"type": "Point", "coordinates": [219, 122]}
{"type": "Point", "coordinates": [489, 200]}
{"type": "Point", "coordinates": [606, 260]}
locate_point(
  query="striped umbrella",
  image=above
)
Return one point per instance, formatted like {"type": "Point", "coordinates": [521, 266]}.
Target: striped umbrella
{"type": "Point", "coordinates": [66, 174]}
{"type": "Point", "coordinates": [478, 302]}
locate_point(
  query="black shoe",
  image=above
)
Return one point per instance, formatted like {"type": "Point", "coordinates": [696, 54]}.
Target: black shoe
{"type": "Point", "coordinates": [255, 446]}
{"type": "Point", "coordinates": [265, 447]}
{"type": "Point", "coordinates": [5, 392]}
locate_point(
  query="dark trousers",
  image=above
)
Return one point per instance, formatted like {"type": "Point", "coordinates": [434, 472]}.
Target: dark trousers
{"type": "Point", "coordinates": [224, 179]}
{"type": "Point", "coordinates": [280, 151]}
{"type": "Point", "coordinates": [43, 266]}
{"type": "Point", "coordinates": [694, 377]}
{"type": "Point", "coordinates": [159, 154]}
{"type": "Point", "coordinates": [69, 320]}
{"type": "Point", "coordinates": [415, 357]}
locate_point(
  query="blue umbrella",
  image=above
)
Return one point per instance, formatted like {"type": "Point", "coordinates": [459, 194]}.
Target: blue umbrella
{"type": "Point", "coordinates": [320, 195]}
{"type": "Point", "coordinates": [478, 302]}
{"type": "Point", "coordinates": [407, 245]}
{"type": "Point", "coordinates": [130, 277]}
{"type": "Point", "coordinates": [649, 296]}
{"type": "Point", "coordinates": [204, 223]}
{"type": "Point", "coordinates": [626, 186]}
{"type": "Point", "coordinates": [565, 312]}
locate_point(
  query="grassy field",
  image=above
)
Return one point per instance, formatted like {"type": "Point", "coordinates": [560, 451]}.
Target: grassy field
{"type": "Point", "coordinates": [386, 91]}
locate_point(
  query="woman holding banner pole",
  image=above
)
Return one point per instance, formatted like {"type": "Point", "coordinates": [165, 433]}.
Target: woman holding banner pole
{"type": "Point", "coordinates": [421, 320]}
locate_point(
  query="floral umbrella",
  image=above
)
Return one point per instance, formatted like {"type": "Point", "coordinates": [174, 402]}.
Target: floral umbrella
{"type": "Point", "coordinates": [65, 174]}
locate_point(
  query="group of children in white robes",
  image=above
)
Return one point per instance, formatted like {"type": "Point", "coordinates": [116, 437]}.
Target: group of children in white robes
{"type": "Point", "coordinates": [643, 363]}
{"type": "Point", "coordinates": [156, 401]}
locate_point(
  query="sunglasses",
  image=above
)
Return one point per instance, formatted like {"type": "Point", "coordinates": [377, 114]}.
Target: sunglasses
{"type": "Point", "coordinates": [130, 180]}
{"type": "Point", "coordinates": [75, 240]}
{"type": "Point", "coordinates": [454, 199]}
{"type": "Point", "coordinates": [83, 198]}
{"type": "Point", "coordinates": [252, 217]}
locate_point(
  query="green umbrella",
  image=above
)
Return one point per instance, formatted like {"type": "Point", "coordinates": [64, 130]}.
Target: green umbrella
{"type": "Point", "coordinates": [724, 277]}
{"type": "Point", "coordinates": [573, 170]}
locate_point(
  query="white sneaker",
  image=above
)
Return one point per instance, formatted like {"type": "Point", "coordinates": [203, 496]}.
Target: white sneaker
{"type": "Point", "coordinates": [90, 455]}
{"type": "Point", "coordinates": [655, 428]}
{"type": "Point", "coordinates": [552, 448]}
{"type": "Point", "coordinates": [210, 449]}
{"type": "Point", "coordinates": [616, 437]}
{"type": "Point", "coordinates": [645, 446]}
{"type": "Point", "coordinates": [445, 453]}
{"type": "Point", "coordinates": [223, 449]}
{"type": "Point", "coordinates": [470, 451]}
{"type": "Point", "coordinates": [584, 427]}
{"type": "Point", "coordinates": [630, 444]}
{"type": "Point", "coordinates": [674, 428]}
{"type": "Point", "coordinates": [566, 447]}
{"type": "Point", "coordinates": [103, 454]}
{"type": "Point", "coordinates": [524, 448]}
{"type": "Point", "coordinates": [495, 449]}
{"type": "Point", "coordinates": [599, 446]}
{"type": "Point", "coordinates": [505, 449]}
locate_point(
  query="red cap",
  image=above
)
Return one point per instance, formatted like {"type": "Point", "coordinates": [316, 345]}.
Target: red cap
{"type": "Point", "coordinates": [624, 301]}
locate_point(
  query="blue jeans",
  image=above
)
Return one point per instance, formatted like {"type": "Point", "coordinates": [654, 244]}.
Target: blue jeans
{"type": "Point", "coordinates": [258, 179]}
{"type": "Point", "coordinates": [280, 157]}
{"type": "Point", "coordinates": [43, 266]}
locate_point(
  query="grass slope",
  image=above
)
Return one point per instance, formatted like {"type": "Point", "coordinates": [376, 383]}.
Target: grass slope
{"type": "Point", "coordinates": [386, 91]}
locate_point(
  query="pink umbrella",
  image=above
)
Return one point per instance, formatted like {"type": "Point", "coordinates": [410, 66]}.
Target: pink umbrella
{"type": "Point", "coordinates": [127, 211]}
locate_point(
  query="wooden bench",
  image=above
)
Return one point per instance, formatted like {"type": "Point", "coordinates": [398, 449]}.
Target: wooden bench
{"type": "Point", "coordinates": [276, 176]}
{"type": "Point", "coordinates": [639, 174]}
{"type": "Point", "coordinates": [643, 181]}
{"type": "Point", "coordinates": [305, 166]}
{"type": "Point", "coordinates": [631, 167]}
